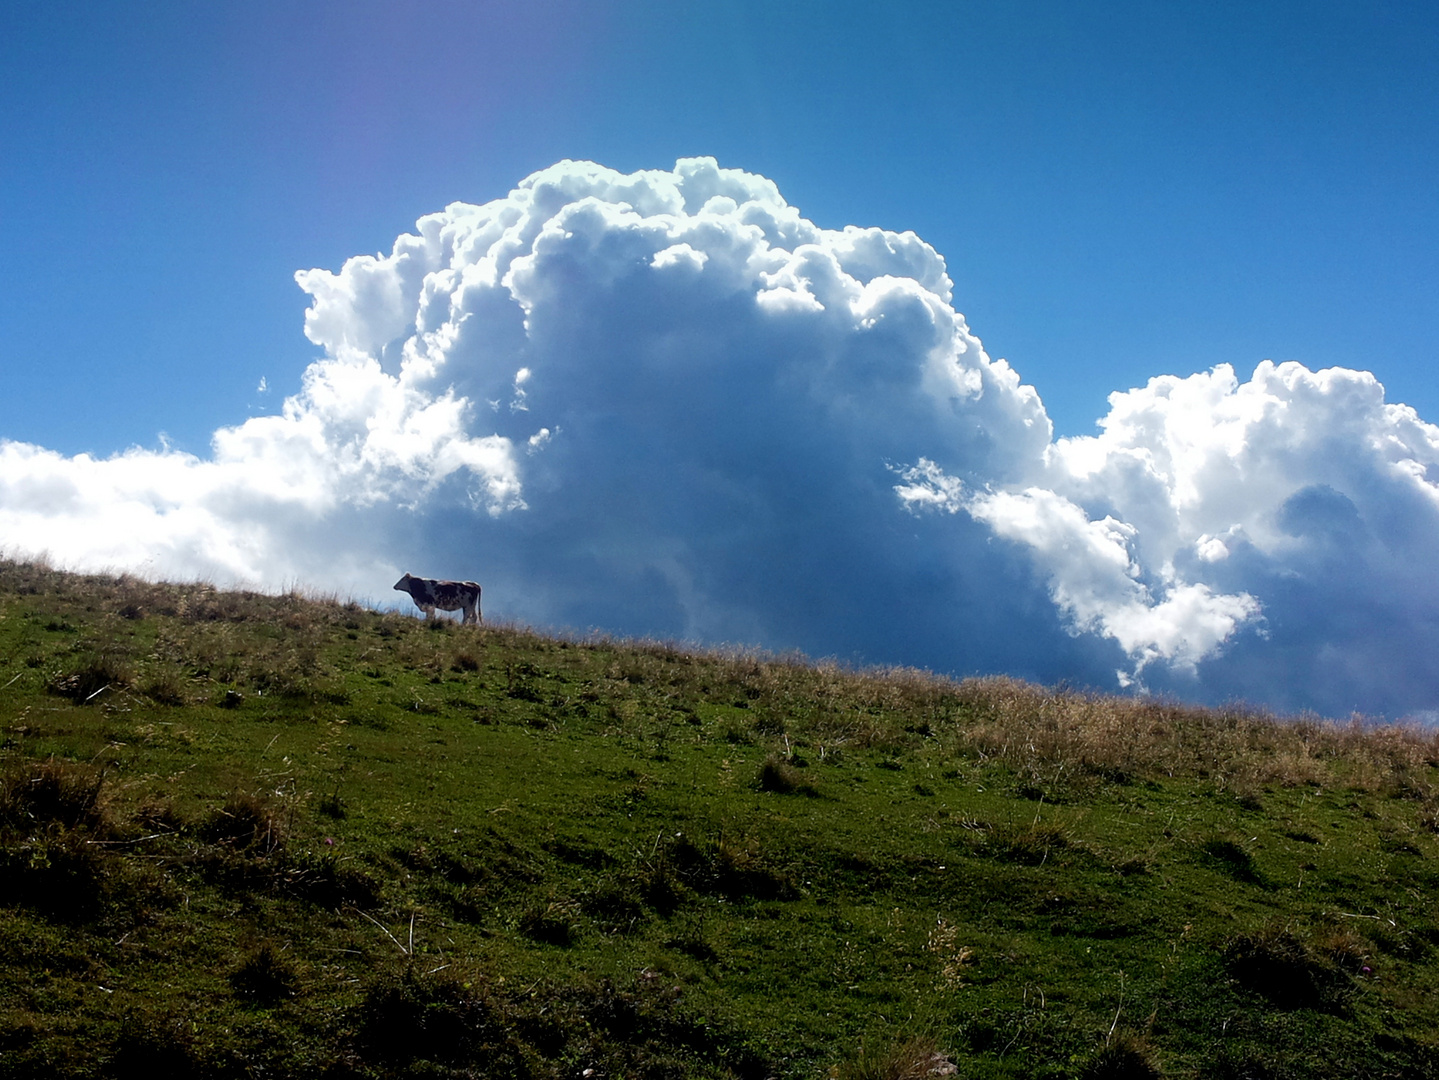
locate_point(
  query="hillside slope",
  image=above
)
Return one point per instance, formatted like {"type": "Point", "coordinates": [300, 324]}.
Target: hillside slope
{"type": "Point", "coordinates": [260, 836]}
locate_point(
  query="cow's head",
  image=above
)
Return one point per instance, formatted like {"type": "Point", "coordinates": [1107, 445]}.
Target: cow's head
{"type": "Point", "coordinates": [403, 585]}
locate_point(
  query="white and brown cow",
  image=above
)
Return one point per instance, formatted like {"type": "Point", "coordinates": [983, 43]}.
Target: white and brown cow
{"type": "Point", "coordinates": [429, 594]}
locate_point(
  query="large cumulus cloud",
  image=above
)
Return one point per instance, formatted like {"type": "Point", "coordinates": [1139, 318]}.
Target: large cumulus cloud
{"type": "Point", "coordinates": [666, 403]}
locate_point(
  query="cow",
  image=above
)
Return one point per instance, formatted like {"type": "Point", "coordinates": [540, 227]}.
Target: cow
{"type": "Point", "coordinates": [429, 594]}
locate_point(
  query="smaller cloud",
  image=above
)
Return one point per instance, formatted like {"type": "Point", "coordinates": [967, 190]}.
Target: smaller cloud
{"type": "Point", "coordinates": [679, 255]}
{"type": "Point", "coordinates": [1095, 576]}
{"type": "Point", "coordinates": [517, 403]}
{"type": "Point", "coordinates": [1210, 549]}
{"type": "Point", "coordinates": [1298, 504]}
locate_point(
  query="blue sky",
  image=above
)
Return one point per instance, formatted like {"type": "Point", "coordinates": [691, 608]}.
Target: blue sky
{"type": "Point", "coordinates": [1119, 192]}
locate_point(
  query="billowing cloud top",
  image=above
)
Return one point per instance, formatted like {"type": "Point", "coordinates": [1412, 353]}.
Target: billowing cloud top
{"type": "Point", "coordinates": [666, 403]}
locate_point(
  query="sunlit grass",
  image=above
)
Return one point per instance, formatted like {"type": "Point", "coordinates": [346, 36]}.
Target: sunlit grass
{"type": "Point", "coordinates": [247, 834]}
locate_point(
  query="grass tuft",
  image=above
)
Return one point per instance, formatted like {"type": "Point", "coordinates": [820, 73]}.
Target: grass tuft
{"type": "Point", "coordinates": [164, 688]}
{"type": "Point", "coordinates": [151, 1044]}
{"type": "Point", "coordinates": [246, 823]}
{"type": "Point", "coordinates": [915, 1058]}
{"type": "Point", "coordinates": [1230, 857]}
{"type": "Point", "coordinates": [332, 806]}
{"type": "Point", "coordinates": [266, 976]}
{"type": "Point", "coordinates": [1123, 1057]}
{"type": "Point", "coordinates": [549, 924]}
{"type": "Point", "coordinates": [329, 881]}
{"type": "Point", "coordinates": [96, 676]}
{"type": "Point", "coordinates": [1280, 965]}
{"type": "Point", "coordinates": [779, 777]}
{"type": "Point", "coordinates": [411, 1019]}
{"type": "Point", "coordinates": [37, 795]}
{"type": "Point", "coordinates": [57, 872]}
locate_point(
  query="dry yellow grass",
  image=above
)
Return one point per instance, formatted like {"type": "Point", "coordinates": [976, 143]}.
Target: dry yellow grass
{"type": "Point", "coordinates": [1051, 736]}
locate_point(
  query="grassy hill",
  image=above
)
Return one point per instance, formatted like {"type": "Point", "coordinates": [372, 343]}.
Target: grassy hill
{"type": "Point", "coordinates": [256, 836]}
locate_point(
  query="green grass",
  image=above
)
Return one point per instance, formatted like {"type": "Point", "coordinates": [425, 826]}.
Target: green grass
{"type": "Point", "coordinates": [280, 836]}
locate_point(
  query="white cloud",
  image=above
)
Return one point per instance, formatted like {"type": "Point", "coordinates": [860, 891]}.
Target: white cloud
{"type": "Point", "coordinates": [1094, 571]}
{"type": "Point", "coordinates": [709, 400]}
{"type": "Point", "coordinates": [1308, 479]}
{"type": "Point", "coordinates": [256, 510]}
